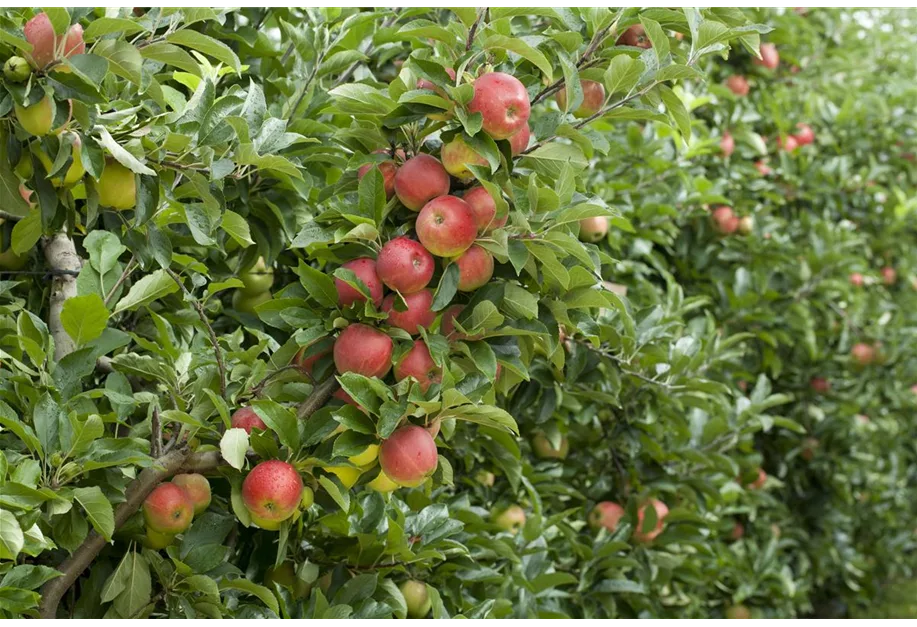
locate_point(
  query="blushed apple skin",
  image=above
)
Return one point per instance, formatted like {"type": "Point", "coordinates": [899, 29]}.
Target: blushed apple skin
{"type": "Point", "coordinates": [420, 180]}
{"type": "Point", "coordinates": [364, 350]}
{"type": "Point", "coordinates": [503, 102]}
{"type": "Point", "coordinates": [446, 226]}
{"type": "Point", "coordinates": [409, 456]}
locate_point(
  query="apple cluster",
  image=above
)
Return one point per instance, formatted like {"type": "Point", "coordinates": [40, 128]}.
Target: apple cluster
{"type": "Point", "coordinates": [169, 509]}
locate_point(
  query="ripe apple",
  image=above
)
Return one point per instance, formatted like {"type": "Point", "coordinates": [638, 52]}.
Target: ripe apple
{"type": "Point", "coordinates": [762, 168]}
{"type": "Point", "coordinates": [738, 532]}
{"type": "Point", "coordinates": [727, 144]}
{"type": "Point", "coordinates": [476, 267]}
{"type": "Point", "coordinates": [420, 180]}
{"type": "Point", "coordinates": [363, 349]}
{"type": "Point", "coordinates": [746, 225]}
{"type": "Point", "coordinates": [117, 186]}
{"type": "Point", "coordinates": [512, 519]}
{"type": "Point", "coordinates": [418, 314]}
{"type": "Point", "coordinates": [738, 85]}
{"type": "Point", "coordinates": [484, 208]}
{"type": "Point", "coordinates": [593, 229]}
{"type": "Point", "coordinates": [738, 611]}
{"type": "Point", "coordinates": [770, 58]}
{"type": "Point", "coordinates": [271, 493]}
{"type": "Point", "coordinates": [863, 354]}
{"type": "Point", "coordinates": [425, 84]}
{"type": "Point", "coordinates": [408, 456]}
{"type": "Point", "coordinates": [593, 99]}
{"type": "Point", "coordinates": [38, 118]}
{"type": "Point", "coordinates": [416, 598]}
{"type": "Point", "coordinates": [365, 269]}
{"type": "Point", "coordinates": [661, 512]}
{"type": "Point", "coordinates": [862, 419]}
{"type": "Point", "coordinates": [198, 489]}
{"type": "Point", "coordinates": [820, 385]}
{"type": "Point", "coordinates": [387, 168]}
{"type": "Point", "coordinates": [889, 275]}
{"type": "Point", "coordinates": [257, 279]}
{"type": "Point", "coordinates": [16, 70]}
{"type": "Point", "coordinates": [446, 226]}
{"type": "Point", "coordinates": [759, 482]}
{"type": "Point", "coordinates": [40, 33]}
{"type": "Point", "coordinates": [382, 483]}
{"type": "Point", "coordinates": [544, 449]}
{"type": "Point", "coordinates": [503, 102]}
{"type": "Point", "coordinates": [418, 364]}
{"type": "Point", "coordinates": [788, 143]}
{"type": "Point", "coordinates": [457, 155]}
{"type": "Point", "coordinates": [341, 395]}
{"type": "Point", "coordinates": [725, 221]}
{"type": "Point", "coordinates": [404, 265]}
{"type": "Point", "coordinates": [605, 514]}
{"type": "Point", "coordinates": [520, 141]}
{"type": "Point", "coordinates": [635, 36]}
{"type": "Point", "coordinates": [285, 575]}
{"type": "Point", "coordinates": [805, 135]}
{"type": "Point", "coordinates": [246, 303]}
{"type": "Point", "coordinates": [168, 509]}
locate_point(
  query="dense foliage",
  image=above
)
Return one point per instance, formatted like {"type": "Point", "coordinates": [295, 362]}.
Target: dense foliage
{"type": "Point", "coordinates": [684, 390]}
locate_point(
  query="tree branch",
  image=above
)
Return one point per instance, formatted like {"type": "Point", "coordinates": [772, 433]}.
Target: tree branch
{"type": "Point", "coordinates": [65, 264]}
{"type": "Point", "coordinates": [217, 352]}
{"type": "Point", "coordinates": [320, 395]}
{"type": "Point", "coordinates": [127, 272]}
{"type": "Point", "coordinates": [155, 433]}
{"type": "Point", "coordinates": [474, 27]}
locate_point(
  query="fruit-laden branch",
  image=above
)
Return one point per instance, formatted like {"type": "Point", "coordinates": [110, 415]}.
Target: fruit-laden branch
{"type": "Point", "coordinates": [65, 264]}
{"type": "Point", "coordinates": [166, 467]}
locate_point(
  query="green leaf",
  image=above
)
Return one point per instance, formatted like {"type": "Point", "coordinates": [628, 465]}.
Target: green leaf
{"type": "Point", "coordinates": [243, 585]}
{"type": "Point", "coordinates": [27, 232]}
{"type": "Point", "coordinates": [622, 74]}
{"type": "Point", "coordinates": [170, 54]}
{"type": "Point", "coordinates": [447, 288]}
{"type": "Point", "coordinates": [122, 156]}
{"type": "Point", "coordinates": [98, 510]}
{"type": "Point", "coordinates": [342, 498]}
{"type": "Point", "coordinates": [138, 586]}
{"type": "Point", "coordinates": [124, 60]}
{"type": "Point", "coordinates": [107, 25]}
{"type": "Point", "coordinates": [10, 199]}
{"type": "Point", "coordinates": [517, 45]}
{"type": "Point", "coordinates": [206, 45]}
{"type": "Point", "coordinates": [11, 537]}
{"type": "Point", "coordinates": [319, 285]}
{"type": "Point", "coordinates": [237, 228]}
{"type": "Point", "coordinates": [84, 317]}
{"type": "Point", "coordinates": [677, 110]}
{"type": "Point", "coordinates": [519, 302]}
{"type": "Point", "coordinates": [150, 288]}
{"type": "Point", "coordinates": [281, 421]}
{"type": "Point", "coordinates": [233, 446]}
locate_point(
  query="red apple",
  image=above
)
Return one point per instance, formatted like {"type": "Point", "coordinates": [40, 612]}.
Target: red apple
{"type": "Point", "coordinates": [856, 279]}
{"type": "Point", "coordinates": [446, 226]}
{"type": "Point", "coordinates": [418, 314]}
{"type": "Point", "coordinates": [425, 84]}
{"type": "Point", "coordinates": [863, 354]}
{"type": "Point", "coordinates": [408, 456]}
{"type": "Point", "coordinates": [635, 36]}
{"type": "Point", "coordinates": [271, 493]}
{"type": "Point", "coordinates": [520, 141]}
{"type": "Point", "coordinates": [889, 275]}
{"type": "Point", "coordinates": [788, 143]}
{"type": "Point", "coordinates": [770, 58]}
{"type": "Point", "coordinates": [168, 509]}
{"type": "Point", "coordinates": [820, 385]}
{"type": "Point", "coordinates": [387, 168]}
{"type": "Point", "coordinates": [363, 349]}
{"type": "Point", "coordinates": [593, 229]}
{"type": "Point", "coordinates": [763, 168]}
{"type": "Point", "coordinates": [503, 102]}
{"type": "Point", "coordinates": [420, 180]}
{"type": "Point", "coordinates": [725, 221]}
{"type": "Point", "coordinates": [476, 267]}
{"type": "Point", "coordinates": [341, 395]}
{"type": "Point", "coordinates": [246, 418]}
{"type": "Point", "coordinates": [805, 134]}
{"type": "Point", "coordinates": [404, 265]}
{"type": "Point", "coordinates": [198, 489]}
{"type": "Point", "coordinates": [418, 363]}
{"type": "Point", "coordinates": [307, 363]}
{"type": "Point", "coordinates": [661, 512]}
{"type": "Point", "coordinates": [759, 482]}
{"type": "Point", "coordinates": [457, 155]}
{"type": "Point", "coordinates": [727, 144]}
{"type": "Point", "coordinates": [484, 208]}
{"type": "Point", "coordinates": [738, 85]}
{"type": "Point", "coordinates": [365, 269]}
{"type": "Point", "coordinates": [605, 514]}
{"type": "Point", "coordinates": [593, 99]}
{"type": "Point", "coordinates": [40, 33]}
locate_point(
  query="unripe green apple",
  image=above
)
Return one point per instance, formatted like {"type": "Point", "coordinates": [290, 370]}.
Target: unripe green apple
{"type": "Point", "coordinates": [348, 475]}
{"type": "Point", "coordinates": [382, 483]}
{"type": "Point", "coordinates": [246, 303]}
{"type": "Point", "coordinates": [36, 119]}
{"type": "Point", "coordinates": [308, 498]}
{"type": "Point", "coordinates": [512, 519]}
{"type": "Point", "coordinates": [117, 186]}
{"type": "Point", "coordinates": [457, 155]}
{"type": "Point", "coordinates": [285, 575]}
{"type": "Point", "coordinates": [738, 611]}
{"type": "Point", "coordinates": [156, 540]}
{"type": "Point", "coordinates": [76, 170]}
{"type": "Point", "coordinates": [544, 449]}
{"type": "Point", "coordinates": [257, 279]}
{"type": "Point", "coordinates": [417, 598]}
{"type": "Point", "coordinates": [365, 458]}
{"type": "Point", "coordinates": [16, 69]}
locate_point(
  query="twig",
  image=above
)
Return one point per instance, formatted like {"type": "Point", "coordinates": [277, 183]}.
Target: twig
{"type": "Point", "coordinates": [155, 434]}
{"type": "Point", "coordinates": [127, 272]}
{"type": "Point", "coordinates": [256, 391]}
{"type": "Point", "coordinates": [320, 395]}
{"type": "Point", "coordinates": [559, 83]}
{"type": "Point", "coordinates": [474, 27]}
{"type": "Point", "coordinates": [217, 352]}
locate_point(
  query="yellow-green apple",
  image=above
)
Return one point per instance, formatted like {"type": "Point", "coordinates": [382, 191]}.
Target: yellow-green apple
{"type": "Point", "coordinates": [117, 186]}
{"type": "Point", "coordinates": [404, 265]}
{"type": "Point", "coordinates": [40, 33]}
{"type": "Point", "coordinates": [363, 349]}
{"type": "Point", "coordinates": [308, 498]}
{"type": "Point", "coordinates": [746, 225]}
{"type": "Point", "coordinates": [520, 141]}
{"type": "Point", "coordinates": [863, 354]}
{"type": "Point", "coordinates": [446, 226]}
{"type": "Point", "coordinates": [168, 509]}
{"type": "Point", "coordinates": [348, 475]}
{"type": "Point", "coordinates": [605, 514]}
{"type": "Point", "coordinates": [16, 70]}
{"type": "Point", "coordinates": [76, 170]}
{"type": "Point", "coordinates": [367, 457]}
{"type": "Point", "coordinates": [804, 135]}
{"type": "Point", "coordinates": [544, 449]}
{"type": "Point", "coordinates": [285, 576]}
{"type": "Point", "coordinates": [416, 598]}
{"type": "Point", "coordinates": [476, 267]}
{"type": "Point", "coordinates": [365, 269]}
{"type": "Point", "coordinates": [156, 540]}
{"type": "Point", "coordinates": [593, 99]}
{"type": "Point", "coordinates": [484, 208]}
{"type": "Point", "coordinates": [661, 512]}
{"type": "Point", "coordinates": [503, 103]}
{"type": "Point", "coordinates": [38, 118]}
{"type": "Point", "coordinates": [485, 478]}
{"type": "Point", "coordinates": [420, 180]}
{"type": "Point", "coordinates": [593, 229]}
{"type": "Point", "coordinates": [388, 169]}
{"type": "Point", "coordinates": [511, 519]}
{"type": "Point", "coordinates": [418, 364]}
{"type": "Point", "coordinates": [382, 483]}
{"type": "Point", "coordinates": [198, 489]}
{"type": "Point", "coordinates": [635, 36]}
{"type": "Point", "coordinates": [246, 303]}
{"type": "Point", "coordinates": [271, 493]}
{"type": "Point", "coordinates": [770, 58]}
{"type": "Point", "coordinates": [457, 155]}
{"type": "Point", "coordinates": [738, 85]}
{"type": "Point", "coordinates": [725, 221]}
{"type": "Point", "coordinates": [258, 278]}
{"type": "Point", "coordinates": [727, 144]}
{"type": "Point", "coordinates": [408, 456]}
{"type": "Point", "coordinates": [418, 313]}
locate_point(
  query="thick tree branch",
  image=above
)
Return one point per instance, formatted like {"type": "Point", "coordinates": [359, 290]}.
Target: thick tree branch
{"type": "Point", "coordinates": [164, 469]}
{"type": "Point", "coordinates": [64, 263]}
